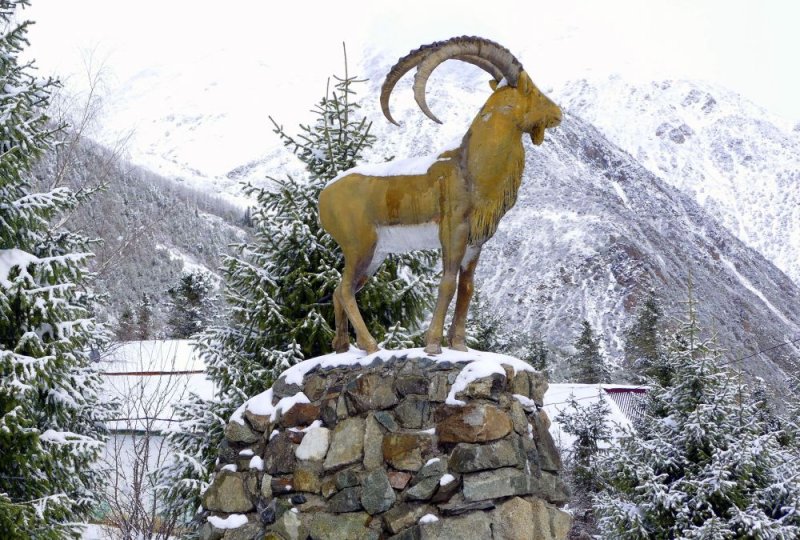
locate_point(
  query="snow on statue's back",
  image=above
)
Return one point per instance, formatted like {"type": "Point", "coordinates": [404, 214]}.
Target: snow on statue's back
{"type": "Point", "coordinates": [453, 200]}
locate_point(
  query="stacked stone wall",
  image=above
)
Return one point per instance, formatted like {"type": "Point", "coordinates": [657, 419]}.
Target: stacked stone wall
{"type": "Point", "coordinates": [389, 450]}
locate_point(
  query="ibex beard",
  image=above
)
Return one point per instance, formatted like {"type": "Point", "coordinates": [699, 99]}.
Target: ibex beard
{"type": "Point", "coordinates": [456, 204]}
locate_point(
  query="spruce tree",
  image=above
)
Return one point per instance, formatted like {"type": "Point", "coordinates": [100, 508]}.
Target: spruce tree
{"type": "Point", "coordinates": [50, 416]}
{"type": "Point", "coordinates": [587, 365]}
{"type": "Point", "coordinates": [144, 318]}
{"type": "Point", "coordinates": [191, 307]}
{"type": "Point", "coordinates": [644, 343]}
{"type": "Point", "coordinates": [278, 289]}
{"type": "Point", "coordinates": [484, 326]}
{"type": "Point", "coordinates": [701, 464]}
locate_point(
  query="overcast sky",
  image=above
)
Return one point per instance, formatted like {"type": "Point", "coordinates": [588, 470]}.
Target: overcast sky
{"type": "Point", "coordinates": [748, 46]}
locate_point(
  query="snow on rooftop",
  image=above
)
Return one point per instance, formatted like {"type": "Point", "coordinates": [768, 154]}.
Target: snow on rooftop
{"type": "Point", "coordinates": [149, 378]}
{"type": "Point", "coordinates": [557, 396]}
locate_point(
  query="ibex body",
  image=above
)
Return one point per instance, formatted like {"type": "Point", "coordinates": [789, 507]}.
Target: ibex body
{"type": "Point", "coordinates": [453, 202]}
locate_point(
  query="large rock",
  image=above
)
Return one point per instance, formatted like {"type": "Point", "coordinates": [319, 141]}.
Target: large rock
{"type": "Point", "coordinates": [513, 520]}
{"type": "Point", "coordinates": [474, 422]}
{"type": "Point", "coordinates": [347, 444]}
{"type": "Point", "coordinates": [314, 445]}
{"type": "Point", "coordinates": [407, 451]}
{"type": "Point", "coordinates": [496, 484]}
{"type": "Point", "coordinates": [377, 494]}
{"type": "Point", "coordinates": [474, 526]}
{"type": "Point", "coordinates": [229, 493]}
{"type": "Point", "coordinates": [370, 392]}
{"type": "Point", "coordinates": [478, 457]}
{"type": "Point", "coordinates": [355, 526]}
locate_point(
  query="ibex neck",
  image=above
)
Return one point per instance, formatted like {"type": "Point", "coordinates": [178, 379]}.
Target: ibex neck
{"type": "Point", "coordinates": [494, 160]}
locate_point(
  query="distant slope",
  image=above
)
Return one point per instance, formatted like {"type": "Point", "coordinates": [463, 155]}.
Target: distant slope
{"type": "Point", "coordinates": [738, 161]}
{"type": "Point", "coordinates": [151, 229]}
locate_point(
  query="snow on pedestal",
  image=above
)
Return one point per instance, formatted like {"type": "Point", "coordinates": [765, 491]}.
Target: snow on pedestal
{"type": "Point", "coordinates": [367, 446]}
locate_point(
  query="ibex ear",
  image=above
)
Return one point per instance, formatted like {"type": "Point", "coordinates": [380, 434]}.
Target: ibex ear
{"type": "Point", "coordinates": [525, 84]}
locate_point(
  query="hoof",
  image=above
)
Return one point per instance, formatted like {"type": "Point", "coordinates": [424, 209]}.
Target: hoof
{"type": "Point", "coordinates": [370, 347]}
{"type": "Point", "coordinates": [459, 346]}
{"type": "Point", "coordinates": [341, 346]}
{"type": "Point", "coordinates": [433, 349]}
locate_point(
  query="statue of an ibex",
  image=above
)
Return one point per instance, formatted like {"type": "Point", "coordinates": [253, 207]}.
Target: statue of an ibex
{"type": "Point", "coordinates": [456, 204]}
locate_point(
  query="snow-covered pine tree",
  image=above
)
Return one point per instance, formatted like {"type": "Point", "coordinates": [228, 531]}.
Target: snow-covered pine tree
{"type": "Point", "coordinates": [484, 325]}
{"type": "Point", "coordinates": [587, 365]}
{"type": "Point", "coordinates": [50, 417]}
{"type": "Point", "coordinates": [191, 307]}
{"type": "Point", "coordinates": [277, 288]}
{"type": "Point", "coordinates": [588, 424]}
{"type": "Point", "coordinates": [700, 463]}
{"type": "Point", "coordinates": [644, 342]}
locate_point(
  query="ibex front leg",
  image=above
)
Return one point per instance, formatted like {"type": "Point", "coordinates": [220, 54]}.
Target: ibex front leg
{"type": "Point", "coordinates": [456, 336]}
{"type": "Point", "coordinates": [452, 254]}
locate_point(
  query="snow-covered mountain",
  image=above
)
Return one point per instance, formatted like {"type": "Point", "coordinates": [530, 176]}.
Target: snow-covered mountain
{"type": "Point", "coordinates": [598, 221]}
{"type": "Point", "coordinates": [739, 162]}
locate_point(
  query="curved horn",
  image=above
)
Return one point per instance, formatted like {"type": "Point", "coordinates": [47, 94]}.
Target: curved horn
{"type": "Point", "coordinates": [403, 66]}
{"type": "Point", "coordinates": [477, 51]}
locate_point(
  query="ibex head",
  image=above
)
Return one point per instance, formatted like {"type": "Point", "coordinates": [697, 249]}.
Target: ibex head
{"type": "Point", "coordinates": [533, 111]}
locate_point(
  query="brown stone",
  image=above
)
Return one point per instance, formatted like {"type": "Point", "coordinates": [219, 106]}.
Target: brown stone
{"type": "Point", "coordinates": [307, 477]}
{"type": "Point", "coordinates": [474, 423]}
{"type": "Point", "coordinates": [314, 386]}
{"type": "Point", "coordinates": [283, 484]}
{"type": "Point", "coordinates": [405, 515]}
{"type": "Point", "coordinates": [370, 392]}
{"type": "Point", "coordinates": [405, 451]}
{"type": "Point", "coordinates": [301, 414]}
{"type": "Point", "coordinates": [514, 520]}
{"type": "Point", "coordinates": [296, 437]}
{"type": "Point", "coordinates": [260, 422]}
{"type": "Point", "coordinates": [399, 479]}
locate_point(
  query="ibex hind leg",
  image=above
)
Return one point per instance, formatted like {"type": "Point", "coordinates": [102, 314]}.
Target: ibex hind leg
{"type": "Point", "coordinates": [353, 278]}
{"type": "Point", "coordinates": [341, 342]}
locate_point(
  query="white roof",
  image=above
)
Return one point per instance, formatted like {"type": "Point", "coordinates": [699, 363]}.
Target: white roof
{"type": "Point", "coordinates": [149, 378]}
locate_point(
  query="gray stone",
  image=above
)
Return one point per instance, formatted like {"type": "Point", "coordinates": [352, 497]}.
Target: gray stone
{"type": "Point", "coordinates": [446, 491]}
{"type": "Point", "coordinates": [412, 533]}
{"type": "Point", "coordinates": [386, 419]}
{"type": "Point", "coordinates": [279, 455]}
{"type": "Point", "coordinates": [290, 527]}
{"type": "Point", "coordinates": [513, 520]}
{"type": "Point", "coordinates": [315, 386]}
{"type": "Point", "coordinates": [473, 526]}
{"type": "Point", "coordinates": [479, 457]}
{"type": "Point", "coordinates": [370, 392]}
{"type": "Point", "coordinates": [259, 422]}
{"type": "Point", "coordinates": [241, 433]}
{"type": "Point", "coordinates": [484, 388]}
{"type": "Point", "coordinates": [228, 493]}
{"type": "Point", "coordinates": [346, 478]}
{"type": "Point", "coordinates": [280, 389]}
{"type": "Point", "coordinates": [550, 487]}
{"type": "Point", "coordinates": [347, 500]}
{"type": "Point", "coordinates": [549, 457]}
{"type": "Point", "coordinates": [347, 444]}
{"type": "Point", "coordinates": [377, 494]}
{"type": "Point", "coordinates": [518, 418]}
{"type": "Point", "coordinates": [373, 444]}
{"type": "Point", "coordinates": [497, 483]}
{"type": "Point", "coordinates": [266, 486]}
{"type": "Point", "coordinates": [433, 467]}
{"type": "Point", "coordinates": [457, 505]}
{"type": "Point", "coordinates": [422, 490]}
{"type": "Point", "coordinates": [411, 384]}
{"type": "Point", "coordinates": [439, 388]}
{"type": "Point", "coordinates": [328, 410]}
{"type": "Point", "coordinates": [209, 532]}
{"type": "Point", "coordinates": [341, 407]}
{"type": "Point", "coordinates": [405, 515]}
{"type": "Point", "coordinates": [353, 526]}
{"type": "Point", "coordinates": [248, 531]}
{"type": "Point", "coordinates": [414, 412]}
{"type": "Point", "coordinates": [531, 384]}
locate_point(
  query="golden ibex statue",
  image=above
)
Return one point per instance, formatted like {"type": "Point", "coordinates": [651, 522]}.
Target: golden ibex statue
{"type": "Point", "coordinates": [454, 200]}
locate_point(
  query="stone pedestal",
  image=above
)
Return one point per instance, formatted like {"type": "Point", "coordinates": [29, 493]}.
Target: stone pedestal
{"type": "Point", "coordinates": [394, 445]}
